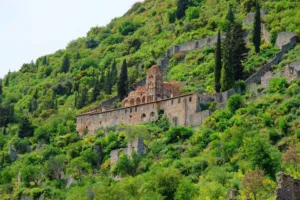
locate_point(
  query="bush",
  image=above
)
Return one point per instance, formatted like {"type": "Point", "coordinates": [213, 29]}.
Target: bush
{"type": "Point", "coordinates": [127, 28]}
{"type": "Point", "coordinates": [192, 13]}
{"type": "Point", "coordinates": [171, 16]}
{"type": "Point", "coordinates": [176, 134]}
{"type": "Point", "coordinates": [278, 84]}
{"type": "Point", "coordinates": [298, 134]}
{"type": "Point", "coordinates": [274, 136]}
{"type": "Point", "coordinates": [91, 44]}
{"type": "Point", "coordinates": [235, 102]}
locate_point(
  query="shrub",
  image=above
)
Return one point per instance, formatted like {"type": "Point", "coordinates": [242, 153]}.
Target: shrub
{"type": "Point", "coordinates": [274, 136]}
{"type": "Point", "coordinates": [91, 44]}
{"type": "Point", "coordinates": [127, 27]}
{"type": "Point", "coordinates": [278, 84]}
{"type": "Point", "coordinates": [283, 125]}
{"type": "Point", "coordinates": [235, 102]}
{"type": "Point", "coordinates": [298, 133]}
{"type": "Point", "coordinates": [171, 16]}
{"type": "Point", "coordinates": [192, 13]}
{"type": "Point", "coordinates": [176, 134]}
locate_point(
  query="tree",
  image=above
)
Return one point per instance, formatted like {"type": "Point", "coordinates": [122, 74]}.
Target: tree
{"type": "Point", "coordinates": [44, 61]}
{"type": "Point", "coordinates": [253, 182]}
{"type": "Point", "coordinates": [227, 72]}
{"type": "Point", "coordinates": [65, 64]}
{"type": "Point", "coordinates": [185, 190]}
{"type": "Point", "coordinates": [96, 89]}
{"type": "Point", "coordinates": [291, 157]}
{"type": "Point", "coordinates": [234, 53]}
{"type": "Point", "coordinates": [218, 64]}
{"type": "Point", "coordinates": [30, 173]}
{"type": "Point", "coordinates": [182, 5]}
{"type": "Point", "coordinates": [230, 16]}
{"type": "Point", "coordinates": [123, 81]}
{"type": "Point", "coordinates": [26, 129]}
{"type": "Point", "coordinates": [55, 167]}
{"type": "Point", "coordinates": [83, 97]}
{"type": "Point", "coordinates": [114, 73]}
{"type": "Point", "coordinates": [108, 81]}
{"type": "Point", "coordinates": [256, 38]}
{"type": "Point", "coordinates": [77, 167]}
{"type": "Point", "coordinates": [239, 50]}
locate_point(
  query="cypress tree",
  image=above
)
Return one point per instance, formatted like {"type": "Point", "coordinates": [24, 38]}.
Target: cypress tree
{"type": "Point", "coordinates": [114, 73]}
{"type": "Point", "coordinates": [218, 64]}
{"type": "Point", "coordinates": [82, 99]}
{"type": "Point", "coordinates": [123, 81]}
{"type": "Point", "coordinates": [6, 82]}
{"type": "Point", "coordinates": [256, 38]}
{"type": "Point", "coordinates": [96, 90]}
{"type": "Point", "coordinates": [230, 15]}
{"type": "Point", "coordinates": [239, 50]}
{"type": "Point", "coordinates": [108, 81]}
{"type": "Point", "coordinates": [66, 64]}
{"type": "Point", "coordinates": [182, 5]}
{"type": "Point", "coordinates": [227, 72]}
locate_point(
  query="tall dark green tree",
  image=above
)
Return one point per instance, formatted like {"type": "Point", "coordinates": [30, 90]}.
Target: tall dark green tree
{"type": "Point", "coordinates": [65, 64]}
{"type": "Point", "coordinates": [123, 81]}
{"type": "Point", "coordinates": [218, 64]}
{"type": "Point", "coordinates": [96, 89]}
{"type": "Point", "coordinates": [182, 5]}
{"type": "Point", "coordinates": [114, 73]}
{"type": "Point", "coordinates": [230, 15]}
{"type": "Point", "coordinates": [83, 97]}
{"type": "Point", "coordinates": [6, 81]}
{"type": "Point", "coordinates": [234, 53]}
{"type": "Point", "coordinates": [239, 50]}
{"type": "Point", "coordinates": [256, 38]}
{"type": "Point", "coordinates": [108, 81]}
{"type": "Point", "coordinates": [227, 72]}
{"type": "Point", "coordinates": [26, 129]}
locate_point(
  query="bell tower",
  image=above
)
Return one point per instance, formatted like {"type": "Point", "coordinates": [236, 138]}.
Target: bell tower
{"type": "Point", "coordinates": [154, 84]}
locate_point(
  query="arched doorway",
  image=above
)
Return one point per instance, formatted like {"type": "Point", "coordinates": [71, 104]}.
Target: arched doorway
{"type": "Point", "coordinates": [144, 117]}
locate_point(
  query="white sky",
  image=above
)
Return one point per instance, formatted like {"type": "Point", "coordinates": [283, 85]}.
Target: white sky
{"type": "Point", "coordinates": [33, 28]}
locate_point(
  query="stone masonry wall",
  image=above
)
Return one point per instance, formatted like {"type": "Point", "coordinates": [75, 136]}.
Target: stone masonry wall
{"type": "Point", "coordinates": [256, 77]}
{"type": "Point", "coordinates": [136, 146]}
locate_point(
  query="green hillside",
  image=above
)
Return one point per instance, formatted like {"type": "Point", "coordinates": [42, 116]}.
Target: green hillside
{"type": "Point", "coordinates": [256, 135]}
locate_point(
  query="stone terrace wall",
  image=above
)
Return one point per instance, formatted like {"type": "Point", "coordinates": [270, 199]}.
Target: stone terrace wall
{"type": "Point", "coordinates": [256, 77]}
{"type": "Point", "coordinates": [288, 188]}
{"type": "Point", "coordinates": [284, 38]}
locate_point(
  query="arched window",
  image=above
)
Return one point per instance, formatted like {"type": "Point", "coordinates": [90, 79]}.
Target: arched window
{"type": "Point", "coordinates": [143, 117]}
{"type": "Point", "coordinates": [152, 114]}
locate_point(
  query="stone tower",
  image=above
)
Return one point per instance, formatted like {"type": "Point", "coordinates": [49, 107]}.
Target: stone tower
{"type": "Point", "coordinates": [154, 84]}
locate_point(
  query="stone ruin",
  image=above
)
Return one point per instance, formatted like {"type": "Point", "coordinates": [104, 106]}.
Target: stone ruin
{"type": "Point", "coordinates": [288, 188]}
{"type": "Point", "coordinates": [136, 146]}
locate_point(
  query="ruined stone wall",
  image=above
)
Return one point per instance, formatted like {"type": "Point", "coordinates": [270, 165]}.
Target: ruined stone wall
{"type": "Point", "coordinates": [136, 146]}
{"type": "Point", "coordinates": [284, 38]}
{"type": "Point", "coordinates": [288, 188]}
{"type": "Point", "coordinates": [256, 77]}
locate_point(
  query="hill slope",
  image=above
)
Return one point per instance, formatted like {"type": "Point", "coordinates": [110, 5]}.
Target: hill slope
{"type": "Point", "coordinates": [37, 118]}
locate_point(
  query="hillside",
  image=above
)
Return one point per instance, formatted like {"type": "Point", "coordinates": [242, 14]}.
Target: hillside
{"type": "Point", "coordinates": [41, 153]}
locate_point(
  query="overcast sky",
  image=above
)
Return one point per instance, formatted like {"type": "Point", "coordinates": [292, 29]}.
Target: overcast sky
{"type": "Point", "coordinates": [32, 28]}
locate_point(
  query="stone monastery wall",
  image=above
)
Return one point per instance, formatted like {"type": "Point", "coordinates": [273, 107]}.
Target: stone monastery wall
{"type": "Point", "coordinates": [182, 110]}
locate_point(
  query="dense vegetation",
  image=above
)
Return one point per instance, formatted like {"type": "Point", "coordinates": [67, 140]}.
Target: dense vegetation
{"type": "Point", "coordinates": [252, 137]}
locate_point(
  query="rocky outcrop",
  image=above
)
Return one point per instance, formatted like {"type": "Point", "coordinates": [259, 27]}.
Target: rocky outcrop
{"type": "Point", "coordinates": [288, 188]}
